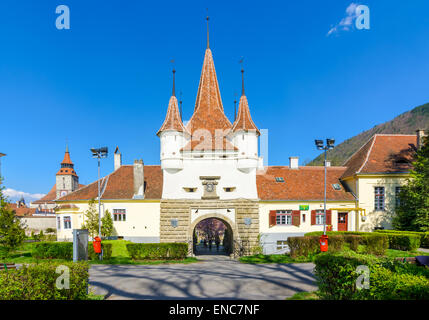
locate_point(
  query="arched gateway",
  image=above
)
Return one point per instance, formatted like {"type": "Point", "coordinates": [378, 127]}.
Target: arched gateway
{"type": "Point", "coordinates": [225, 236]}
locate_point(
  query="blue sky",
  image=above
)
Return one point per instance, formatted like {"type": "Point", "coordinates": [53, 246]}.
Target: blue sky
{"type": "Point", "coordinates": [107, 80]}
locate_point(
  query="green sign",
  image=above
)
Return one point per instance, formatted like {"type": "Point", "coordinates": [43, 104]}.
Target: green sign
{"type": "Point", "coordinates": [304, 207]}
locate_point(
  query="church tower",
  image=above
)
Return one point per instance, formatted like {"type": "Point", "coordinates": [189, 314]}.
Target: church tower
{"type": "Point", "coordinates": [66, 179]}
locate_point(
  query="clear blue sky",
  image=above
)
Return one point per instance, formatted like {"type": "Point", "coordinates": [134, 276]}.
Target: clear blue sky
{"type": "Point", "coordinates": [107, 80]}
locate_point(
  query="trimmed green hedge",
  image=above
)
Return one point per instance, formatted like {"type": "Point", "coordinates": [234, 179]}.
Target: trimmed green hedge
{"type": "Point", "coordinates": [336, 277]}
{"type": "Point", "coordinates": [38, 282]}
{"type": "Point", "coordinates": [157, 251]}
{"type": "Point", "coordinates": [424, 236]}
{"type": "Point", "coordinates": [375, 243]}
{"type": "Point", "coordinates": [53, 250]}
{"type": "Point", "coordinates": [309, 245]}
{"type": "Point", "coordinates": [404, 241]}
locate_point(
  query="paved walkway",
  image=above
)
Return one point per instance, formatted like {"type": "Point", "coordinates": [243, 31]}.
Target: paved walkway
{"type": "Point", "coordinates": [216, 277]}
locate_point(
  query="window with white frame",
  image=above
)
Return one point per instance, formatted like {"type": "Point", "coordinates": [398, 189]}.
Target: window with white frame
{"type": "Point", "coordinates": [284, 217]}
{"type": "Point", "coordinates": [379, 198]}
{"type": "Point", "coordinates": [67, 222]}
{"type": "Point", "coordinates": [320, 216]}
{"type": "Point", "coordinates": [281, 244]}
{"type": "Point", "coordinates": [119, 214]}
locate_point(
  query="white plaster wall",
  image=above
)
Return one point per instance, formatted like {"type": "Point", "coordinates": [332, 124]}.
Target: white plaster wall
{"type": "Point", "coordinates": [366, 200]}
{"type": "Point", "coordinates": [304, 227]}
{"type": "Point", "coordinates": [142, 218]}
{"type": "Point", "coordinates": [226, 168]}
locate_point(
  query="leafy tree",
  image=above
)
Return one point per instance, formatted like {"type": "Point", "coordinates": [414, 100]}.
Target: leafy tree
{"type": "Point", "coordinates": [12, 231]}
{"type": "Point", "coordinates": [413, 212]}
{"type": "Point", "coordinates": [107, 224]}
{"type": "Point", "coordinates": [91, 219]}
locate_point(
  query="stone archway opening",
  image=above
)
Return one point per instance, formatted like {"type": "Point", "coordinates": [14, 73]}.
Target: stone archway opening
{"type": "Point", "coordinates": [213, 236]}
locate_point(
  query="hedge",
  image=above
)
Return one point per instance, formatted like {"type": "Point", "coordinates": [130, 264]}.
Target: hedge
{"type": "Point", "coordinates": [53, 250]}
{"type": "Point", "coordinates": [404, 241]}
{"type": "Point", "coordinates": [376, 244]}
{"type": "Point", "coordinates": [64, 250]}
{"type": "Point", "coordinates": [38, 282]}
{"type": "Point", "coordinates": [424, 236]}
{"type": "Point", "coordinates": [309, 245]}
{"type": "Point", "coordinates": [156, 251]}
{"type": "Point", "coordinates": [336, 277]}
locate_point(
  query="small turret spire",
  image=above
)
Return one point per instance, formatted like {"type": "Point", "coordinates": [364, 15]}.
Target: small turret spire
{"type": "Point", "coordinates": [174, 83]}
{"type": "Point", "coordinates": [208, 42]}
{"type": "Point", "coordinates": [242, 76]}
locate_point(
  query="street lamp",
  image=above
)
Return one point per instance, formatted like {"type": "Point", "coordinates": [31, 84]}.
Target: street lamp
{"type": "Point", "coordinates": [320, 146]}
{"type": "Point", "coordinates": [99, 153]}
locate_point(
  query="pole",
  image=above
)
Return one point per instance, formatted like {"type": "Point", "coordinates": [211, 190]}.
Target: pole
{"type": "Point", "coordinates": [99, 205]}
{"type": "Point", "coordinates": [324, 204]}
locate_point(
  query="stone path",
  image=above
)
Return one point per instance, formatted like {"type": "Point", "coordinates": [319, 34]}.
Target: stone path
{"type": "Point", "coordinates": [216, 277]}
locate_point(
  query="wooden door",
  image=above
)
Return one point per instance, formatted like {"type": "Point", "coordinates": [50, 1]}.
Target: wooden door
{"type": "Point", "coordinates": [342, 221]}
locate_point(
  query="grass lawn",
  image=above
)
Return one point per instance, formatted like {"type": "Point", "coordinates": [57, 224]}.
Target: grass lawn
{"type": "Point", "coordinates": [272, 258]}
{"type": "Point", "coordinates": [119, 256]}
{"type": "Point", "coordinates": [304, 296]}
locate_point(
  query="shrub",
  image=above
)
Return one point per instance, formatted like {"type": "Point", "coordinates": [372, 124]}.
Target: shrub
{"type": "Point", "coordinates": [404, 242]}
{"type": "Point", "coordinates": [107, 251]}
{"type": "Point", "coordinates": [376, 244]}
{"type": "Point", "coordinates": [353, 241]}
{"type": "Point", "coordinates": [309, 245]}
{"type": "Point", "coordinates": [53, 250]}
{"type": "Point", "coordinates": [303, 246]}
{"type": "Point", "coordinates": [424, 236]}
{"type": "Point", "coordinates": [38, 282]}
{"type": "Point", "coordinates": [155, 251]}
{"type": "Point", "coordinates": [336, 277]}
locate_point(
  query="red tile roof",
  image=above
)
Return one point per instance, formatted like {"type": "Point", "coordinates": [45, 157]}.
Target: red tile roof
{"type": "Point", "coordinates": [305, 183]}
{"type": "Point", "coordinates": [120, 185]}
{"type": "Point", "coordinates": [244, 120]}
{"type": "Point", "coordinates": [51, 195]}
{"type": "Point", "coordinates": [21, 211]}
{"type": "Point", "coordinates": [383, 153]}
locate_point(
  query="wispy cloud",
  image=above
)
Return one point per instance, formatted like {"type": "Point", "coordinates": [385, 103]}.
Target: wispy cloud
{"type": "Point", "coordinates": [346, 23]}
{"type": "Point", "coordinates": [14, 195]}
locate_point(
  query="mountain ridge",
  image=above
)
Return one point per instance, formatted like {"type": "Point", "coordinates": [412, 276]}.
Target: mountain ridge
{"type": "Point", "coordinates": [406, 123]}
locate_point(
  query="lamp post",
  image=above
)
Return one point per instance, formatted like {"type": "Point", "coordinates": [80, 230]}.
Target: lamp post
{"type": "Point", "coordinates": [320, 146]}
{"type": "Point", "coordinates": [99, 153]}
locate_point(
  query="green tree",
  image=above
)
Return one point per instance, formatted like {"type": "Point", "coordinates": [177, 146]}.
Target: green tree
{"type": "Point", "coordinates": [413, 211]}
{"type": "Point", "coordinates": [107, 224]}
{"type": "Point", "coordinates": [12, 231]}
{"type": "Point", "coordinates": [91, 219]}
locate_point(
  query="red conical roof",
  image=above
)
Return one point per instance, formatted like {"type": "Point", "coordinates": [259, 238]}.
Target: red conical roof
{"type": "Point", "coordinates": [244, 119]}
{"type": "Point", "coordinates": [67, 165]}
{"type": "Point", "coordinates": [208, 112]}
{"type": "Point", "coordinates": [209, 116]}
{"type": "Point", "coordinates": [172, 119]}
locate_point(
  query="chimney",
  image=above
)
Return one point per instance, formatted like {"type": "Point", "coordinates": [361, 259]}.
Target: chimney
{"type": "Point", "coordinates": [294, 162]}
{"type": "Point", "coordinates": [420, 135]}
{"type": "Point", "coordinates": [117, 159]}
{"type": "Point", "coordinates": [138, 170]}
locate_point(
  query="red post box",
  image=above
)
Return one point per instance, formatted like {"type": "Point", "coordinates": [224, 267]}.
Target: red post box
{"type": "Point", "coordinates": [97, 245]}
{"type": "Point", "coordinates": [323, 243]}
